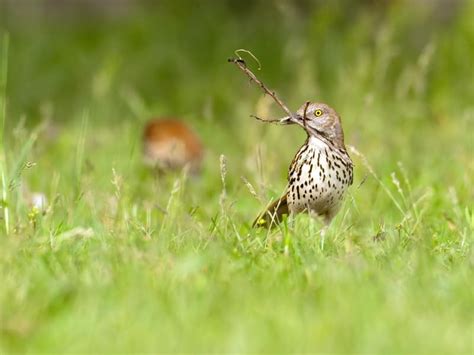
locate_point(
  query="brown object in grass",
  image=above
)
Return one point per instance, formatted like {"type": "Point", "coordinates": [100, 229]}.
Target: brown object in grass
{"type": "Point", "coordinates": [170, 145]}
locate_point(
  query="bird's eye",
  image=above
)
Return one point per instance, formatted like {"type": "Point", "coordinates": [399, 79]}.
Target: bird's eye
{"type": "Point", "coordinates": [318, 113]}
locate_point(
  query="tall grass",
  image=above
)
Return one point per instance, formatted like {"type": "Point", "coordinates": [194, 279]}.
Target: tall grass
{"type": "Point", "coordinates": [3, 113]}
{"type": "Point", "coordinates": [122, 260]}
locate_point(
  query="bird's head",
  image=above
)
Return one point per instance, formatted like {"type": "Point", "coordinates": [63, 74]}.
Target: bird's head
{"type": "Point", "coordinates": [318, 120]}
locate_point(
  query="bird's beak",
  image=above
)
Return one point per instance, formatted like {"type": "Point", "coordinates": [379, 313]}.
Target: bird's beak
{"type": "Point", "coordinates": [295, 119]}
{"type": "Point", "coordinates": [286, 120]}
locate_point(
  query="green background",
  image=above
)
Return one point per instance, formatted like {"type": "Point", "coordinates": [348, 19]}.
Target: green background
{"type": "Point", "coordinates": [122, 261]}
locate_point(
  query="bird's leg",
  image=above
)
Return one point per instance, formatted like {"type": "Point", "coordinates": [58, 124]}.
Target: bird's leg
{"type": "Point", "coordinates": [322, 232]}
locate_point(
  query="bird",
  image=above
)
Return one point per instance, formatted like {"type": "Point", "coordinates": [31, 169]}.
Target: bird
{"type": "Point", "coordinates": [320, 172]}
{"type": "Point", "coordinates": [171, 145]}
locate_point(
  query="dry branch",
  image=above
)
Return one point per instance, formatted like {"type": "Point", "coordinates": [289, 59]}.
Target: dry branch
{"type": "Point", "coordinates": [243, 66]}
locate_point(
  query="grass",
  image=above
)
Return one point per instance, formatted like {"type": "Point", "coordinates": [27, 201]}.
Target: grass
{"type": "Point", "coordinates": [123, 262]}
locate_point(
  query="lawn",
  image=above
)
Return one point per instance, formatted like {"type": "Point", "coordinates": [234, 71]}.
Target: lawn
{"type": "Point", "coordinates": [122, 260]}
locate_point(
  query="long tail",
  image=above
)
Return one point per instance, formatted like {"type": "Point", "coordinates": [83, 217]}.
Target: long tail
{"type": "Point", "coordinates": [273, 215]}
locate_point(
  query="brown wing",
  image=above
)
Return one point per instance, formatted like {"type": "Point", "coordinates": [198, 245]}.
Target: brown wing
{"type": "Point", "coordinates": [273, 215]}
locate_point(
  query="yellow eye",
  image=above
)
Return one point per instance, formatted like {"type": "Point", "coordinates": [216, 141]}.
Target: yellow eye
{"type": "Point", "coordinates": [318, 112]}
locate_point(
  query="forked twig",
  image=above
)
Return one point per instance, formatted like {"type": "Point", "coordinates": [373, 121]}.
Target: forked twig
{"type": "Point", "coordinates": [243, 66]}
{"type": "Point", "coordinates": [237, 51]}
{"type": "Point", "coordinates": [279, 120]}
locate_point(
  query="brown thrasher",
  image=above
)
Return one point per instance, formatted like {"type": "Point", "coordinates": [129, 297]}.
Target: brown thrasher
{"type": "Point", "coordinates": [321, 171]}
{"type": "Point", "coordinates": [169, 144]}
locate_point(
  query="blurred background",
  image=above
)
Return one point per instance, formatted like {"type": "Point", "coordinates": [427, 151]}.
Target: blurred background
{"type": "Point", "coordinates": [83, 78]}
{"type": "Point", "coordinates": [386, 66]}
{"type": "Point", "coordinates": [399, 73]}
{"type": "Point", "coordinates": [170, 56]}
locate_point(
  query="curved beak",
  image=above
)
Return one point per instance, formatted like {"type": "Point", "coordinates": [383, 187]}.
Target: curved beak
{"type": "Point", "coordinates": [286, 120]}
{"type": "Point", "coordinates": [294, 119]}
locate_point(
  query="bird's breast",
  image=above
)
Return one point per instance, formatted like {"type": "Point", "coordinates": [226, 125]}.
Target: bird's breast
{"type": "Point", "coordinates": [318, 178]}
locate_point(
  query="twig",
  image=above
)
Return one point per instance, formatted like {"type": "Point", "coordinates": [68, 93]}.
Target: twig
{"type": "Point", "coordinates": [243, 66]}
{"type": "Point", "coordinates": [267, 121]}
{"type": "Point", "coordinates": [304, 113]}
{"type": "Point", "coordinates": [237, 51]}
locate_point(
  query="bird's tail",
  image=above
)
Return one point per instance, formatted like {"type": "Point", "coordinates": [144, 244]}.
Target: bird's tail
{"type": "Point", "coordinates": [273, 214]}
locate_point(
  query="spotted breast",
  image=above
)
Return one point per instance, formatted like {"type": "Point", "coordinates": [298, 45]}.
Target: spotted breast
{"type": "Point", "coordinates": [318, 179]}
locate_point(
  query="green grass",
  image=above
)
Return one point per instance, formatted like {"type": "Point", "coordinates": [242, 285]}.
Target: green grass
{"type": "Point", "coordinates": [124, 262]}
